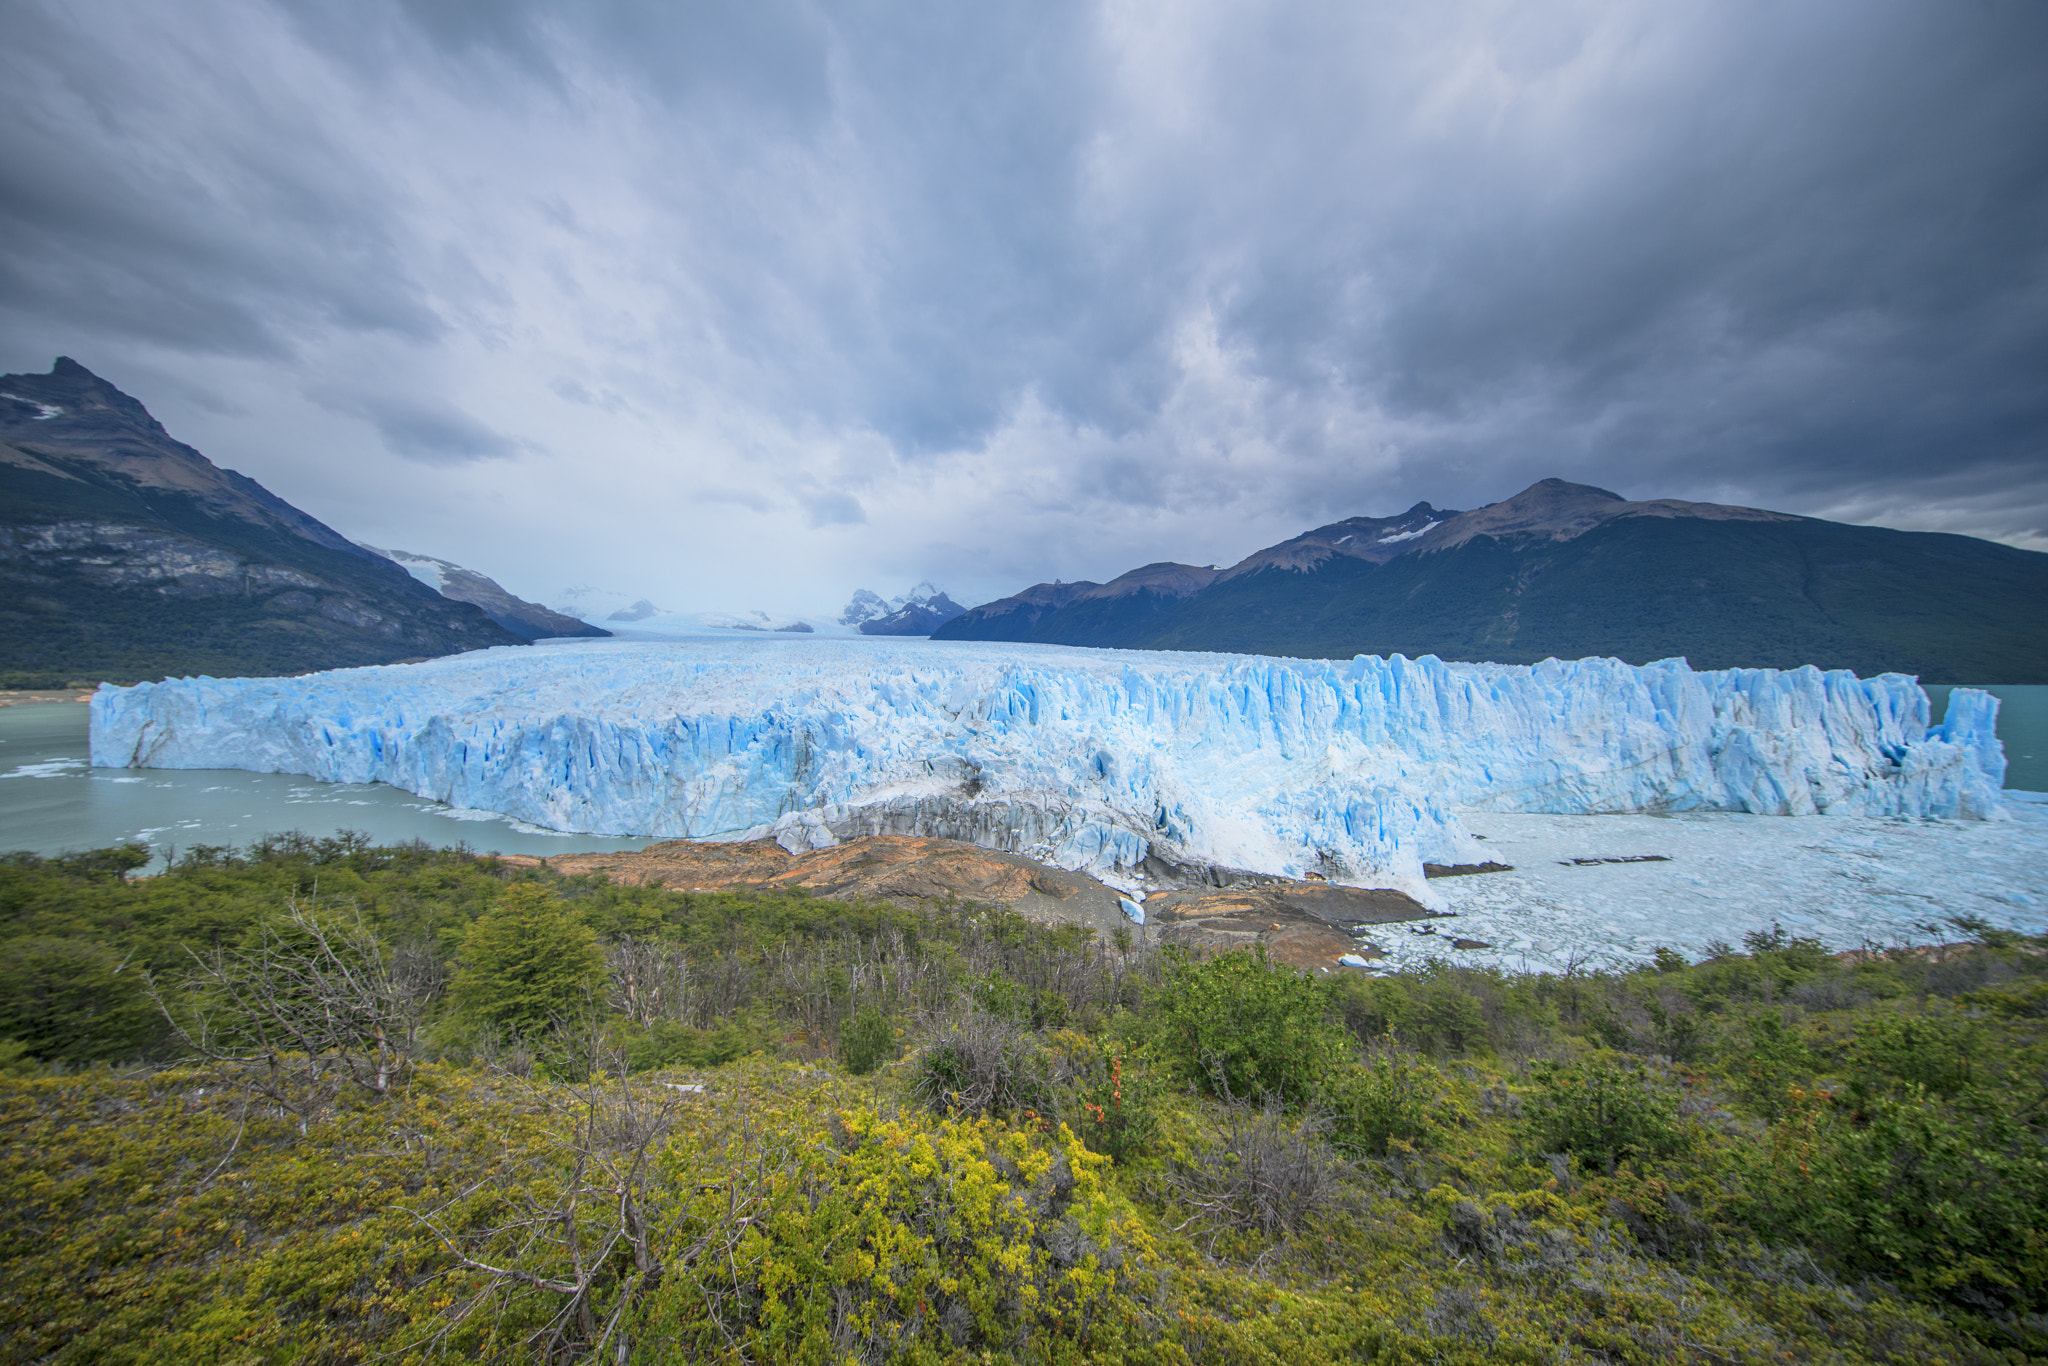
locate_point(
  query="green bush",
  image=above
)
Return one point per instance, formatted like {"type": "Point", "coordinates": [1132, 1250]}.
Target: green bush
{"type": "Point", "coordinates": [526, 962]}
{"type": "Point", "coordinates": [1937, 1051]}
{"type": "Point", "coordinates": [668, 1044]}
{"type": "Point", "coordinates": [1603, 1113]}
{"type": "Point", "coordinates": [72, 1000]}
{"type": "Point", "coordinates": [1950, 1202]}
{"type": "Point", "coordinates": [1767, 1057]}
{"type": "Point", "coordinates": [1385, 1103]}
{"type": "Point", "coordinates": [867, 1040]}
{"type": "Point", "coordinates": [1441, 1014]}
{"type": "Point", "coordinates": [1244, 1027]}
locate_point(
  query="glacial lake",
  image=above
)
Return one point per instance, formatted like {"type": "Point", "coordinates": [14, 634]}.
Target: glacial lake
{"type": "Point", "coordinates": [52, 801]}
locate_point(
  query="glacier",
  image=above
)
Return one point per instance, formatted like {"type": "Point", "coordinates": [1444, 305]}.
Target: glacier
{"type": "Point", "coordinates": [1135, 766]}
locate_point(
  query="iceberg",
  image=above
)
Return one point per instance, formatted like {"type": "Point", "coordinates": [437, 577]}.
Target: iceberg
{"type": "Point", "coordinates": [1132, 765]}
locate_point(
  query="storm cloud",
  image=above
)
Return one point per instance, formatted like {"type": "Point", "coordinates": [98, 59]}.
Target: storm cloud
{"type": "Point", "coordinates": [749, 305]}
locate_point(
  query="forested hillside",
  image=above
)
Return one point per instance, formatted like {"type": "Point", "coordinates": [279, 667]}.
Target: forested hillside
{"type": "Point", "coordinates": [1566, 571]}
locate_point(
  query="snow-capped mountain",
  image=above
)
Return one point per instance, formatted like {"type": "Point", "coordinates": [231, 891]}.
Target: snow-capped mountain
{"type": "Point", "coordinates": [919, 612]}
{"type": "Point", "coordinates": [866, 606]}
{"type": "Point", "coordinates": [125, 553]}
{"type": "Point", "coordinates": [529, 620]}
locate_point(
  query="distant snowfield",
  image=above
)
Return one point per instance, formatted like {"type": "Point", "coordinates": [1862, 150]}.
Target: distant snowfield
{"type": "Point", "coordinates": [1122, 762]}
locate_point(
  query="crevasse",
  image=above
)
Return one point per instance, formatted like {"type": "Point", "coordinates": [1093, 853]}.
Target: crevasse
{"type": "Point", "coordinates": [1112, 761]}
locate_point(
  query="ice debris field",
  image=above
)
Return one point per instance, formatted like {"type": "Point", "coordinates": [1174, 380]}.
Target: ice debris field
{"type": "Point", "coordinates": [1130, 765]}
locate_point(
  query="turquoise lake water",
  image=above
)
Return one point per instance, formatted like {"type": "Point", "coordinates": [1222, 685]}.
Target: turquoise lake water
{"type": "Point", "coordinates": [2022, 728]}
{"type": "Point", "coordinates": [52, 802]}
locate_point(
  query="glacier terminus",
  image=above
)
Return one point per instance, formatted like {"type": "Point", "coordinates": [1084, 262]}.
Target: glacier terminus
{"type": "Point", "coordinates": [1130, 765]}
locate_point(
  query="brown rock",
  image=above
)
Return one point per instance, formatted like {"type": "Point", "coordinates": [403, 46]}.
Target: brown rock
{"type": "Point", "coordinates": [1305, 924]}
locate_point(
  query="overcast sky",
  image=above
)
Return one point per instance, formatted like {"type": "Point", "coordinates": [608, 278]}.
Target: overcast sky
{"type": "Point", "coordinates": [751, 304]}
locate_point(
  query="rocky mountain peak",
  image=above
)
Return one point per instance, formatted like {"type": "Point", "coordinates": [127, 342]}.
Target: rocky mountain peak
{"type": "Point", "coordinates": [919, 612]}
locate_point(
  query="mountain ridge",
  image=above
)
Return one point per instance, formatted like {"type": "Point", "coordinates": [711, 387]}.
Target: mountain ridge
{"type": "Point", "coordinates": [1569, 570]}
{"type": "Point", "coordinates": [127, 554]}
{"type": "Point", "coordinates": [527, 620]}
{"type": "Point", "coordinates": [919, 612]}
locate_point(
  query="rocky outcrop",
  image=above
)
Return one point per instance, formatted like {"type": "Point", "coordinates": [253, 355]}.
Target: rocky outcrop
{"type": "Point", "coordinates": [1306, 924]}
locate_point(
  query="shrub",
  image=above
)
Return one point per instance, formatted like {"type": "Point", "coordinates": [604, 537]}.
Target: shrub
{"type": "Point", "coordinates": [903, 1240]}
{"type": "Point", "coordinates": [1110, 1094]}
{"type": "Point", "coordinates": [1951, 1203]}
{"type": "Point", "coordinates": [1259, 1176]}
{"type": "Point", "coordinates": [982, 1064]}
{"type": "Point", "coordinates": [526, 961]}
{"type": "Point", "coordinates": [1244, 1027]}
{"type": "Point", "coordinates": [1767, 1056]}
{"type": "Point", "coordinates": [867, 1040]}
{"type": "Point", "coordinates": [1602, 1113]}
{"type": "Point", "coordinates": [666, 1043]}
{"type": "Point", "coordinates": [1936, 1051]}
{"type": "Point", "coordinates": [1387, 1102]}
{"type": "Point", "coordinates": [75, 1001]}
{"type": "Point", "coordinates": [1442, 1015]}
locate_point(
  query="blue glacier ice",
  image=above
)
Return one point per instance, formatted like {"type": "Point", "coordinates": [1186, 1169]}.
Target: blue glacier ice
{"type": "Point", "coordinates": [1117, 762]}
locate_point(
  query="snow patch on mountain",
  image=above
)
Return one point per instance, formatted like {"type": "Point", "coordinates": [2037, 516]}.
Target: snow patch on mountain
{"type": "Point", "coordinates": [1118, 762]}
{"type": "Point", "coordinates": [919, 612]}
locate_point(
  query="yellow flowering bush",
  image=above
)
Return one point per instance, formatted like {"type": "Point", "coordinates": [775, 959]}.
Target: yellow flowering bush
{"type": "Point", "coordinates": [902, 1238]}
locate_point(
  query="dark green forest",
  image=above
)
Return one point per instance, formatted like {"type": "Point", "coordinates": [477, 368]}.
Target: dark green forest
{"type": "Point", "coordinates": [318, 1101]}
{"type": "Point", "coordinates": [1723, 594]}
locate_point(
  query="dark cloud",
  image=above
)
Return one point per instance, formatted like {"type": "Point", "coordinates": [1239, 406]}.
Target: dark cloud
{"type": "Point", "coordinates": [430, 433]}
{"type": "Point", "coordinates": [1021, 290]}
{"type": "Point", "coordinates": [215, 215]}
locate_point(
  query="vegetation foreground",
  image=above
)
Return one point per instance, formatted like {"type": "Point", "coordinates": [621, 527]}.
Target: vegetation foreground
{"type": "Point", "coordinates": [316, 1101]}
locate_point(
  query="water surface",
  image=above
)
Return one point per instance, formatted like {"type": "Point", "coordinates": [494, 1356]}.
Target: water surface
{"type": "Point", "coordinates": [52, 802]}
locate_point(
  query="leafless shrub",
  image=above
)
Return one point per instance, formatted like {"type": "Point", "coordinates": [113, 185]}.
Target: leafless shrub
{"type": "Point", "coordinates": [1259, 1175]}
{"type": "Point", "coordinates": [594, 1241]}
{"type": "Point", "coordinates": [976, 1063]}
{"type": "Point", "coordinates": [650, 980]}
{"type": "Point", "coordinates": [1460, 1314]}
{"type": "Point", "coordinates": [1836, 991]}
{"type": "Point", "coordinates": [316, 1002]}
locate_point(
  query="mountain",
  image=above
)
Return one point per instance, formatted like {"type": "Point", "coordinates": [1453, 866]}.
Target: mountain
{"type": "Point", "coordinates": [125, 554]}
{"type": "Point", "coordinates": [1566, 570]}
{"type": "Point", "coordinates": [527, 620]}
{"type": "Point", "coordinates": [919, 612]}
{"type": "Point", "coordinates": [867, 606]}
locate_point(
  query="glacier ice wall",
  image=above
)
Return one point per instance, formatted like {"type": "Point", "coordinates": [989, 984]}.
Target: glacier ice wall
{"type": "Point", "coordinates": [1091, 759]}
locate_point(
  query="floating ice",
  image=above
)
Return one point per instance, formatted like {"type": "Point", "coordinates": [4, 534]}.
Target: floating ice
{"type": "Point", "coordinates": [1099, 759]}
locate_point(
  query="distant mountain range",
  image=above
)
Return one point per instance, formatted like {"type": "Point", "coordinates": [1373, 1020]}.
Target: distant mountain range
{"type": "Point", "coordinates": [528, 620]}
{"type": "Point", "coordinates": [1566, 570]}
{"type": "Point", "coordinates": [125, 554]}
{"type": "Point", "coordinates": [919, 612]}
